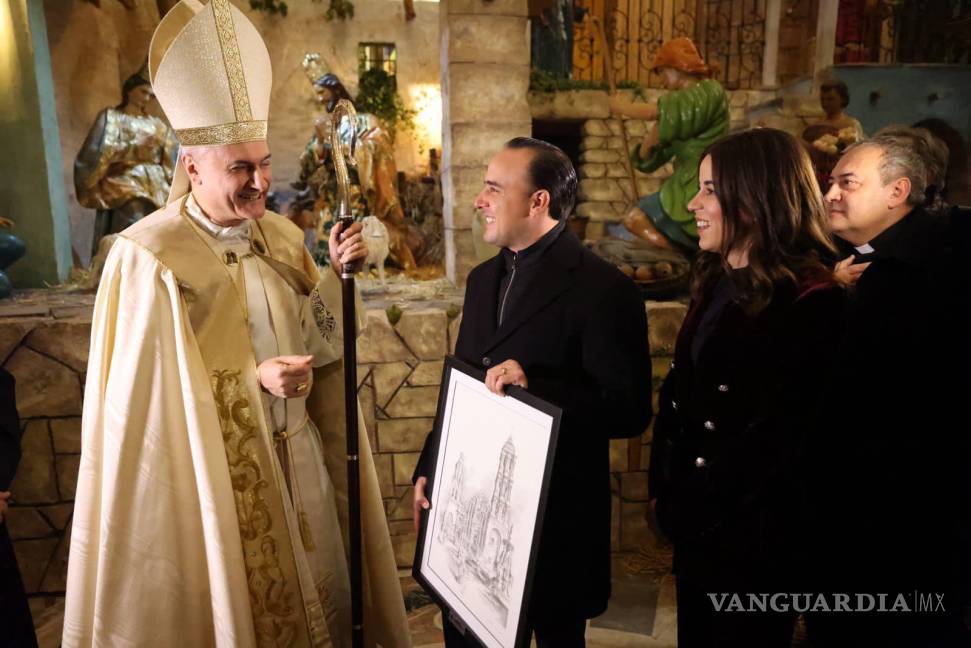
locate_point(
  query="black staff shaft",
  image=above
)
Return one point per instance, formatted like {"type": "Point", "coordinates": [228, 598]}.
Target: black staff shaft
{"type": "Point", "coordinates": [353, 463]}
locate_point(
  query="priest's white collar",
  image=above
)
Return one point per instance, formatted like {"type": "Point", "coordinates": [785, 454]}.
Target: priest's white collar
{"type": "Point", "coordinates": [866, 248]}
{"type": "Point", "coordinates": [231, 234]}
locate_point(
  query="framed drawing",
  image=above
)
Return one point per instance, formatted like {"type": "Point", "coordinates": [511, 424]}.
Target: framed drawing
{"type": "Point", "coordinates": [477, 543]}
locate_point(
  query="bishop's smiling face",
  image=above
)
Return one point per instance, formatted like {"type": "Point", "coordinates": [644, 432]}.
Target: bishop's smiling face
{"type": "Point", "coordinates": [230, 182]}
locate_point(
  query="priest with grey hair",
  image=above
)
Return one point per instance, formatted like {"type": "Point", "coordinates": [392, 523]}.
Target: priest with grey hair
{"type": "Point", "coordinates": [211, 499]}
{"type": "Point", "coordinates": [889, 487]}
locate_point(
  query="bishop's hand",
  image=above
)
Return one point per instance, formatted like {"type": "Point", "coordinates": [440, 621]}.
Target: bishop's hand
{"type": "Point", "coordinates": [346, 247]}
{"type": "Point", "coordinates": [286, 376]}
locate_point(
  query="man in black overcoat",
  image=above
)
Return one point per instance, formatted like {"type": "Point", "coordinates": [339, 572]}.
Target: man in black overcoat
{"type": "Point", "coordinates": [550, 316]}
{"type": "Point", "coordinates": [16, 624]}
{"type": "Point", "coordinates": [891, 491]}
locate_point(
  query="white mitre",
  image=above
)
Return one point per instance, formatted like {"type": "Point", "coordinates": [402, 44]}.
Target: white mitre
{"type": "Point", "coordinates": [211, 73]}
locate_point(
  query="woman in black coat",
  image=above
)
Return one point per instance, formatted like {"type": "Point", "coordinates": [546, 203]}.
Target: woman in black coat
{"type": "Point", "coordinates": [751, 361]}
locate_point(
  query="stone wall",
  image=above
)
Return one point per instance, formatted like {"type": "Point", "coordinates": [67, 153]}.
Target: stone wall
{"type": "Point", "coordinates": [485, 78]}
{"type": "Point", "coordinates": [791, 113]}
{"type": "Point", "coordinates": [400, 369]}
{"type": "Point", "coordinates": [44, 344]}
{"type": "Point", "coordinates": [606, 191]}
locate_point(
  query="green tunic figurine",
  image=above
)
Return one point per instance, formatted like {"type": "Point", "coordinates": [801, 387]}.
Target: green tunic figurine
{"type": "Point", "coordinates": [687, 120]}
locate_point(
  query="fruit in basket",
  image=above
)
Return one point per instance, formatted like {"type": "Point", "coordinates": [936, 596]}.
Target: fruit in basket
{"type": "Point", "coordinates": [644, 273]}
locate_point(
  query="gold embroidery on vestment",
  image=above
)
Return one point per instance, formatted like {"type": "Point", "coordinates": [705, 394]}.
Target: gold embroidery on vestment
{"type": "Point", "coordinates": [272, 598]}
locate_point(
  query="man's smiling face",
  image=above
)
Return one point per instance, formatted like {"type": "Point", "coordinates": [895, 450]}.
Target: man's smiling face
{"type": "Point", "coordinates": [505, 199]}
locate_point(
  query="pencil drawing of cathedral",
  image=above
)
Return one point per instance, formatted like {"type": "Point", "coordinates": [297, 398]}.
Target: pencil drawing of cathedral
{"type": "Point", "coordinates": [476, 530]}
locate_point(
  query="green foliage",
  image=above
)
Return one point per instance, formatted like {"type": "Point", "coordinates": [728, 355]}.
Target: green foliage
{"type": "Point", "coordinates": [269, 6]}
{"type": "Point", "coordinates": [394, 314]}
{"type": "Point", "coordinates": [342, 9]}
{"type": "Point", "coordinates": [543, 81]}
{"type": "Point", "coordinates": [376, 94]}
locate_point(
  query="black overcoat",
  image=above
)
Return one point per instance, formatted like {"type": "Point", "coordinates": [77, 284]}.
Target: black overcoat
{"type": "Point", "coordinates": [892, 489]}
{"type": "Point", "coordinates": [727, 463]}
{"type": "Point", "coordinates": [580, 333]}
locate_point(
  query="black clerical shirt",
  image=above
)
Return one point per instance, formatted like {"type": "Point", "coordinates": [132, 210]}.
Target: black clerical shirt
{"type": "Point", "coordinates": [905, 240]}
{"type": "Point", "coordinates": [520, 270]}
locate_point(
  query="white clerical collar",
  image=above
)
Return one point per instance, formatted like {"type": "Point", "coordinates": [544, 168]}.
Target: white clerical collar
{"type": "Point", "coordinates": [231, 234]}
{"type": "Point", "coordinates": [866, 248]}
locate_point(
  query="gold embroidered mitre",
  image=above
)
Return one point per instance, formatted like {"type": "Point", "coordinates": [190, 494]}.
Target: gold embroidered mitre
{"type": "Point", "coordinates": [211, 73]}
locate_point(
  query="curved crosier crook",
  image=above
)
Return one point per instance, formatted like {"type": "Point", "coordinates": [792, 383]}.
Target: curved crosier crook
{"type": "Point", "coordinates": [342, 158]}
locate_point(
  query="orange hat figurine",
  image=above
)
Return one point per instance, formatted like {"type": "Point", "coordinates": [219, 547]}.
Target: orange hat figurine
{"type": "Point", "coordinates": [681, 54]}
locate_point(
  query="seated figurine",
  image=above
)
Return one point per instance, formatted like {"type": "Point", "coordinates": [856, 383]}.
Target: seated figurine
{"type": "Point", "coordinates": [687, 119]}
{"type": "Point", "coordinates": [125, 166]}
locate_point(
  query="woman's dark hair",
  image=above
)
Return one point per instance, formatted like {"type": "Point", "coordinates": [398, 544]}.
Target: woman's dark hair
{"type": "Point", "coordinates": [130, 84]}
{"type": "Point", "coordinates": [840, 88]}
{"type": "Point", "coordinates": [771, 204]}
{"type": "Point", "coordinates": [550, 169]}
{"type": "Point", "coordinates": [337, 89]}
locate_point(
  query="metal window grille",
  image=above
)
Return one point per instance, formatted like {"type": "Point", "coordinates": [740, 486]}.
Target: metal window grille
{"type": "Point", "coordinates": [383, 56]}
{"type": "Point", "coordinates": [904, 31]}
{"type": "Point", "coordinates": [730, 34]}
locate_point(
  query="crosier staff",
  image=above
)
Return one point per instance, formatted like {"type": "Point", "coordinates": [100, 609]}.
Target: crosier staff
{"type": "Point", "coordinates": [345, 108]}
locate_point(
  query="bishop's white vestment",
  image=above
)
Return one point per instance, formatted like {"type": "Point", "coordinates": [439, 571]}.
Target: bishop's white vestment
{"type": "Point", "coordinates": [208, 512]}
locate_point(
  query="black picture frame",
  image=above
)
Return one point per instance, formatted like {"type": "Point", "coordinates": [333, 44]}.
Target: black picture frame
{"type": "Point", "coordinates": [455, 371]}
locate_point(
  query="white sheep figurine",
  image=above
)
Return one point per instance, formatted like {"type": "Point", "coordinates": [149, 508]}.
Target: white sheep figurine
{"type": "Point", "coordinates": [375, 234]}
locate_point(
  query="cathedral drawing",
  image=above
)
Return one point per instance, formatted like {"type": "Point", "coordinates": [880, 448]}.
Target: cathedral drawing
{"type": "Point", "coordinates": [477, 528]}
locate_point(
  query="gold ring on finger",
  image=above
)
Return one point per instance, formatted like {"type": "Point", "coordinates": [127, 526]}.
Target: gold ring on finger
{"type": "Point", "coordinates": [301, 387]}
